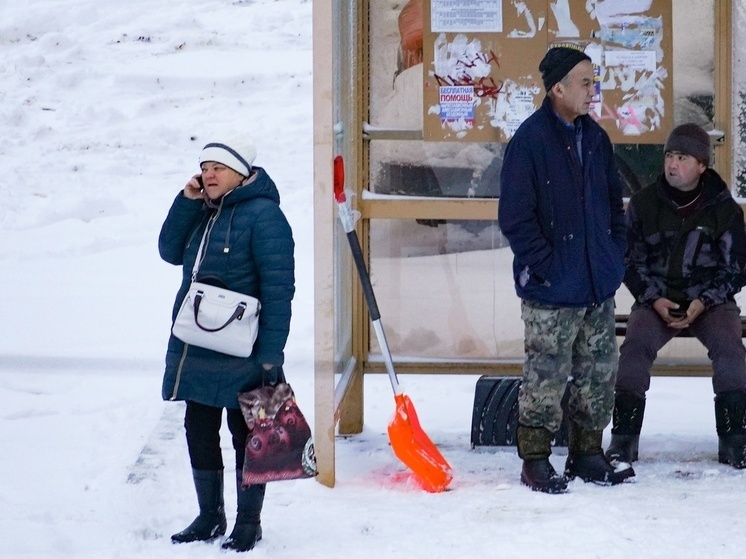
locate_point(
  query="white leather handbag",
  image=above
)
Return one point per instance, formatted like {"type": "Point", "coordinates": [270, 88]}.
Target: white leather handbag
{"type": "Point", "coordinates": [216, 318]}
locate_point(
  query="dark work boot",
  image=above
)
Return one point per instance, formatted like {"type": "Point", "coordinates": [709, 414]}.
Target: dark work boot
{"type": "Point", "coordinates": [626, 426]}
{"type": "Point", "coordinates": [211, 520]}
{"type": "Point", "coordinates": [248, 528]}
{"type": "Point", "coordinates": [586, 459]}
{"type": "Point", "coordinates": [534, 447]}
{"type": "Point", "coordinates": [539, 475]}
{"type": "Point", "coordinates": [730, 420]}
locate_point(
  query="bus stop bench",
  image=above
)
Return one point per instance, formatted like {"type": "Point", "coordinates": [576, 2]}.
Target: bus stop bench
{"type": "Point", "coordinates": [495, 413]}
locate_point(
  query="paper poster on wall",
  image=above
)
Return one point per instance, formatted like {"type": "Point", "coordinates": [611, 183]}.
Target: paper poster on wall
{"type": "Point", "coordinates": [491, 64]}
{"type": "Point", "coordinates": [469, 16]}
{"type": "Point", "coordinates": [457, 103]}
{"type": "Point", "coordinates": [629, 42]}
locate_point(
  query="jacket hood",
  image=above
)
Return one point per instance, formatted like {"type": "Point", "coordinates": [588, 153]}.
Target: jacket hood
{"type": "Point", "coordinates": [258, 185]}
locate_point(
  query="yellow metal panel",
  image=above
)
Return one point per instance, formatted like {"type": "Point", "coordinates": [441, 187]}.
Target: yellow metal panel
{"type": "Point", "coordinates": [662, 368]}
{"type": "Point", "coordinates": [429, 208]}
{"type": "Point", "coordinates": [323, 138]}
{"type": "Point", "coordinates": [723, 88]}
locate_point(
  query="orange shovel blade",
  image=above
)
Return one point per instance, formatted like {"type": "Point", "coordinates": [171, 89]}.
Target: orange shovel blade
{"type": "Point", "coordinates": [415, 449]}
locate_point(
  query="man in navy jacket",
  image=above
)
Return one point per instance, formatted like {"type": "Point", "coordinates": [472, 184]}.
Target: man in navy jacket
{"type": "Point", "coordinates": [561, 209]}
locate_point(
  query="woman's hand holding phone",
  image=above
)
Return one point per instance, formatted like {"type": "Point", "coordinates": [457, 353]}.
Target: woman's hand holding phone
{"type": "Point", "coordinates": [194, 188]}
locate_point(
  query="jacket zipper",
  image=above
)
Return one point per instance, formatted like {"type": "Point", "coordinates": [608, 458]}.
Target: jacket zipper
{"type": "Point", "coordinates": [178, 372]}
{"type": "Point", "coordinates": [208, 232]}
{"type": "Point", "coordinates": [698, 248]}
{"type": "Point", "coordinates": [579, 174]}
{"type": "Point", "coordinates": [180, 368]}
{"type": "Point", "coordinates": [676, 262]}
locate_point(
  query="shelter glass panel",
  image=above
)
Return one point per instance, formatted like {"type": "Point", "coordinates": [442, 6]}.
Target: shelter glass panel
{"type": "Point", "coordinates": [445, 290]}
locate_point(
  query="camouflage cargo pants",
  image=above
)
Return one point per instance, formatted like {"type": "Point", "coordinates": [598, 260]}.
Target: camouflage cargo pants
{"type": "Point", "coordinates": [568, 347]}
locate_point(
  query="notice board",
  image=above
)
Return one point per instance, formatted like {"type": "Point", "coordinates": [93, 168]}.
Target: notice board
{"type": "Point", "coordinates": [481, 58]}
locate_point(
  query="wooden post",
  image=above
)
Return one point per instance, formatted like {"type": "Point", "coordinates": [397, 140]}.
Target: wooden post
{"type": "Point", "coordinates": [724, 22]}
{"type": "Point", "coordinates": [323, 142]}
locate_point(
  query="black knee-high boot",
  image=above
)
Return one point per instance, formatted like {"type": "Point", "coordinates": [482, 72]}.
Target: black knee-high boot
{"type": "Point", "coordinates": [730, 420]}
{"type": "Point", "coordinates": [248, 528]}
{"type": "Point", "coordinates": [629, 411]}
{"type": "Point", "coordinates": [211, 520]}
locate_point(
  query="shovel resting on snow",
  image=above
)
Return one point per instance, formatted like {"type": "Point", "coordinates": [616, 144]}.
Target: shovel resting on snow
{"type": "Point", "coordinates": [410, 443]}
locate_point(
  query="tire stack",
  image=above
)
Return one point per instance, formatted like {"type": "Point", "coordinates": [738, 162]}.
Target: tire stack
{"type": "Point", "coordinates": [495, 416]}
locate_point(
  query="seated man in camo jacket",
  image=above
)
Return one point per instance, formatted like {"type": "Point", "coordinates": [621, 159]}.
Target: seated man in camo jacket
{"type": "Point", "coordinates": [685, 261]}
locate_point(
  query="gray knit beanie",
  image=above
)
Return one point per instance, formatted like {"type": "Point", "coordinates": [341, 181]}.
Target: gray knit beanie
{"type": "Point", "coordinates": [690, 139]}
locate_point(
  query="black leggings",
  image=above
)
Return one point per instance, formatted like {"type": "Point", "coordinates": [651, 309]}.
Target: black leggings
{"type": "Point", "coordinates": [202, 424]}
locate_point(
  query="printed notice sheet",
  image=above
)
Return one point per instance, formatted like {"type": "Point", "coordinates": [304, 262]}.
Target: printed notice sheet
{"type": "Point", "coordinates": [466, 16]}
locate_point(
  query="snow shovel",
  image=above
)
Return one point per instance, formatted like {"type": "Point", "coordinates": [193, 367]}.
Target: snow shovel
{"type": "Point", "coordinates": [410, 443]}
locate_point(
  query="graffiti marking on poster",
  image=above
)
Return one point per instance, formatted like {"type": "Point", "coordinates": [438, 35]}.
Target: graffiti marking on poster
{"type": "Point", "coordinates": [466, 16]}
{"type": "Point", "coordinates": [462, 72]}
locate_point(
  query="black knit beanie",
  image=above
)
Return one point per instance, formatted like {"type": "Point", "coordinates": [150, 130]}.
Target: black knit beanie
{"type": "Point", "coordinates": [690, 139]}
{"type": "Point", "coordinates": [558, 62]}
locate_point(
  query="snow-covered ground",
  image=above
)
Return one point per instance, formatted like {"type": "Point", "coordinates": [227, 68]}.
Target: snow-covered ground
{"type": "Point", "coordinates": [104, 107]}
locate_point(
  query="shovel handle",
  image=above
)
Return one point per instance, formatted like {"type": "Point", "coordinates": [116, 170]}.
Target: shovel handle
{"type": "Point", "coordinates": [378, 327]}
{"type": "Point", "coordinates": [357, 257]}
{"type": "Point", "coordinates": [375, 315]}
{"type": "Point", "coordinates": [348, 224]}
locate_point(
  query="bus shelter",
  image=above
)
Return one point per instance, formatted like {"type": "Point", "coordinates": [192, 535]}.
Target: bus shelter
{"type": "Point", "coordinates": [419, 99]}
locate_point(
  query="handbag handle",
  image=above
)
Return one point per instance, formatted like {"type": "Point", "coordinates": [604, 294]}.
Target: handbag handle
{"type": "Point", "coordinates": [237, 314]}
{"type": "Point", "coordinates": [280, 378]}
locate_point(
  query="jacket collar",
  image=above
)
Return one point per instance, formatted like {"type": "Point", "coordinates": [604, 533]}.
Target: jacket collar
{"type": "Point", "coordinates": [714, 187]}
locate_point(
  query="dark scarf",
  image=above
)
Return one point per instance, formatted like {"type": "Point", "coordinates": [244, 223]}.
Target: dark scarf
{"type": "Point", "coordinates": [686, 202]}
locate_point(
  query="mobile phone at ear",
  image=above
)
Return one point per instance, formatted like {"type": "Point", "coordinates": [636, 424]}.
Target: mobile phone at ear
{"type": "Point", "coordinates": [201, 184]}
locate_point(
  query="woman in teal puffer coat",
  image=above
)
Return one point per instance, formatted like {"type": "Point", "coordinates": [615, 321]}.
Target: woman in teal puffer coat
{"type": "Point", "coordinates": [248, 248]}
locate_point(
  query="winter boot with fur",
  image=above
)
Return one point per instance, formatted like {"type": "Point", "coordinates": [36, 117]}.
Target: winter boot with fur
{"type": "Point", "coordinates": [534, 447]}
{"type": "Point", "coordinates": [586, 459]}
{"type": "Point", "coordinates": [248, 528]}
{"type": "Point", "coordinates": [626, 426]}
{"type": "Point", "coordinates": [730, 420]}
{"type": "Point", "coordinates": [211, 520]}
